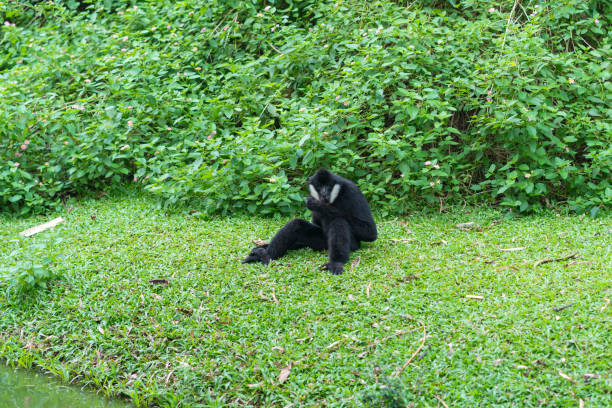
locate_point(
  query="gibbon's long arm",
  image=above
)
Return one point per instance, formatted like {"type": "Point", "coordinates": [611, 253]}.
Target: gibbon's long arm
{"type": "Point", "coordinates": [363, 230]}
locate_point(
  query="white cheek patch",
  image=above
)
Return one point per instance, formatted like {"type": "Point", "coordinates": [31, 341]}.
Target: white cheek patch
{"type": "Point", "coordinates": [334, 193]}
{"type": "Point", "coordinates": [313, 192]}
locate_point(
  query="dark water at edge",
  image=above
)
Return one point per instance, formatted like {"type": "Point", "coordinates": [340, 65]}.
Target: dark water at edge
{"type": "Point", "coordinates": [28, 389]}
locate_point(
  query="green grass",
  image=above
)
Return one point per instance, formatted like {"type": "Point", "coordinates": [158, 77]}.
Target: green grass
{"type": "Point", "coordinates": [221, 332]}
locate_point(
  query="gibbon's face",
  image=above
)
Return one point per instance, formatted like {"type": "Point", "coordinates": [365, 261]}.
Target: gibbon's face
{"type": "Point", "coordinates": [326, 193]}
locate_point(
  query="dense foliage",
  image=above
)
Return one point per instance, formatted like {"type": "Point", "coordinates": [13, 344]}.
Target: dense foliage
{"type": "Point", "coordinates": [229, 104]}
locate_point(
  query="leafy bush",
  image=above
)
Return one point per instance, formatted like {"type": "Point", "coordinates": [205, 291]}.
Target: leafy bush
{"type": "Point", "coordinates": [31, 265]}
{"type": "Point", "coordinates": [230, 105]}
{"type": "Point", "coordinates": [390, 393]}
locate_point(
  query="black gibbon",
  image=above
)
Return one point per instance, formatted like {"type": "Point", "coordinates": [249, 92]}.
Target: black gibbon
{"type": "Point", "coordinates": [341, 219]}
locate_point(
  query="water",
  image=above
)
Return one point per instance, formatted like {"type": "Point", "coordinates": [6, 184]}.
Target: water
{"type": "Point", "coordinates": [27, 389]}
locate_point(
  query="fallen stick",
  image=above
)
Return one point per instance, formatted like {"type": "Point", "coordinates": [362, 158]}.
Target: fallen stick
{"type": "Point", "coordinates": [477, 297]}
{"type": "Point", "coordinates": [441, 401]}
{"type": "Point", "coordinates": [558, 309]}
{"type": "Point", "coordinates": [467, 226]}
{"type": "Point", "coordinates": [274, 296]}
{"type": "Point", "coordinates": [511, 249]}
{"type": "Point", "coordinates": [403, 367]}
{"type": "Point", "coordinates": [402, 240]}
{"type": "Point", "coordinates": [41, 227]}
{"type": "Point", "coordinates": [563, 258]}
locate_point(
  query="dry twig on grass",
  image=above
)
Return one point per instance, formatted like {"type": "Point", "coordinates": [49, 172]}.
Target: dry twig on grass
{"type": "Point", "coordinates": [403, 367]}
{"type": "Point", "coordinates": [441, 401]}
{"type": "Point", "coordinates": [512, 249]}
{"type": "Point", "coordinates": [379, 341]}
{"type": "Point", "coordinates": [560, 308]}
{"type": "Point", "coordinates": [42, 227]}
{"type": "Point", "coordinates": [563, 258]}
{"type": "Point", "coordinates": [476, 297]}
{"type": "Point", "coordinates": [274, 296]}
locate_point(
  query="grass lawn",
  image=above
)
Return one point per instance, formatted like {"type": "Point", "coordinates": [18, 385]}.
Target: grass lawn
{"type": "Point", "coordinates": [225, 334]}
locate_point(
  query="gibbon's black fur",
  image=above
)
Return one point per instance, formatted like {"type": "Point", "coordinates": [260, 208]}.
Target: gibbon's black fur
{"type": "Point", "coordinates": [341, 219]}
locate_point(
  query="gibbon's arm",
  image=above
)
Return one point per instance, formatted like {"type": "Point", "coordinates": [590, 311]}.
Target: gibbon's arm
{"type": "Point", "coordinates": [364, 230]}
{"type": "Point", "coordinates": [326, 210]}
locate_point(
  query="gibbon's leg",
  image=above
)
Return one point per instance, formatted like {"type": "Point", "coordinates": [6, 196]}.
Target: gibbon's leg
{"type": "Point", "coordinates": [366, 231]}
{"type": "Point", "coordinates": [258, 254]}
{"type": "Point", "coordinates": [296, 234]}
{"type": "Point", "coordinates": [339, 243]}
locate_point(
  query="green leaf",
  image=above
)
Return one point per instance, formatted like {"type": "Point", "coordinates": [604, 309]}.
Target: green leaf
{"type": "Point", "coordinates": [272, 110]}
{"type": "Point", "coordinates": [532, 131]}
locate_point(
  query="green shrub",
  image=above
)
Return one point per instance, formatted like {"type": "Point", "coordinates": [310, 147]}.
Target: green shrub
{"type": "Point", "coordinates": [230, 105]}
{"type": "Point", "coordinates": [31, 265]}
{"type": "Point", "coordinates": [390, 393]}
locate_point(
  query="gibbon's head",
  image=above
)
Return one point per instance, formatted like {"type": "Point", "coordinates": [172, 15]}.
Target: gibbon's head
{"type": "Point", "coordinates": [323, 187]}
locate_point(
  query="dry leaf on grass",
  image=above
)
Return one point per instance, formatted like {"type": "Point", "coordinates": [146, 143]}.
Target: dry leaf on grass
{"type": "Point", "coordinates": [404, 224]}
{"type": "Point", "coordinates": [522, 367]}
{"type": "Point", "coordinates": [165, 282]}
{"type": "Point", "coordinates": [284, 374]}
{"type": "Point", "coordinates": [407, 278]}
{"type": "Point", "coordinates": [355, 263]}
{"type": "Point", "coordinates": [168, 377]}
{"type": "Point", "coordinates": [467, 226]}
{"type": "Point", "coordinates": [563, 375]}
{"type": "Point", "coordinates": [259, 242]}
{"type": "Point", "coordinates": [184, 311]}
{"type": "Point", "coordinates": [266, 298]}
{"type": "Point", "coordinates": [335, 343]}
{"type": "Point", "coordinates": [589, 376]}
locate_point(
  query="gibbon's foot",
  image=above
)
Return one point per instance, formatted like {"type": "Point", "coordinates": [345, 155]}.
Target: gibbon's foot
{"type": "Point", "coordinates": [336, 268]}
{"type": "Point", "coordinates": [258, 254]}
